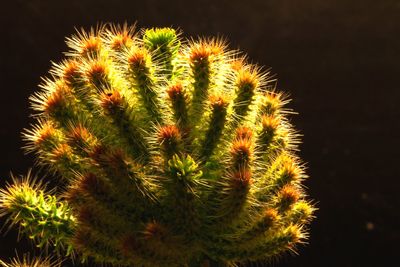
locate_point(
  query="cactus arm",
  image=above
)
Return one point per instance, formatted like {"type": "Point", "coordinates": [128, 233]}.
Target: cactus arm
{"type": "Point", "coordinates": [142, 74]}
{"type": "Point", "coordinates": [41, 216]}
{"type": "Point", "coordinates": [164, 44]}
{"type": "Point", "coordinates": [247, 82]}
{"type": "Point", "coordinates": [215, 127]}
{"type": "Point", "coordinates": [179, 102]}
{"type": "Point", "coordinates": [116, 107]}
{"type": "Point", "coordinates": [265, 247]}
{"type": "Point", "coordinates": [201, 77]}
{"type": "Point", "coordinates": [181, 186]}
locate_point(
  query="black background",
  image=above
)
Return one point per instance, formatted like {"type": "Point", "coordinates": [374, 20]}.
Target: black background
{"type": "Point", "coordinates": [337, 59]}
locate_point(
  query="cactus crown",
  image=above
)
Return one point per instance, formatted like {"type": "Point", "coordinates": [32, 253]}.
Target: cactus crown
{"type": "Point", "coordinates": [172, 152]}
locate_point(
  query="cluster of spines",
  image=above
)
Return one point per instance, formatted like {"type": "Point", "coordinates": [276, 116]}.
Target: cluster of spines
{"type": "Point", "coordinates": [171, 151]}
{"type": "Point", "coordinates": [28, 261]}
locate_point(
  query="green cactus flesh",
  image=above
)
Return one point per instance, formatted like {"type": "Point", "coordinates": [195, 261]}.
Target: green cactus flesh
{"type": "Point", "coordinates": [172, 152]}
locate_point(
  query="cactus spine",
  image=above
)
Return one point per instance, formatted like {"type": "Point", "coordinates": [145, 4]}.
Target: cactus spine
{"type": "Point", "coordinates": [172, 152]}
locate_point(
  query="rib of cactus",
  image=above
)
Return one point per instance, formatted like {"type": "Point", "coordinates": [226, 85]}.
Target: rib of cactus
{"type": "Point", "coordinates": [171, 152]}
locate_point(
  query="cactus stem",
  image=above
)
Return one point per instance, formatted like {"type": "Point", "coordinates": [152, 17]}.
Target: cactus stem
{"type": "Point", "coordinates": [139, 63]}
{"type": "Point", "coordinates": [217, 121]}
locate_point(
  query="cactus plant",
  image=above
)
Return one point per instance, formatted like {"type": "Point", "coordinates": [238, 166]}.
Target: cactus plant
{"type": "Point", "coordinates": [168, 151]}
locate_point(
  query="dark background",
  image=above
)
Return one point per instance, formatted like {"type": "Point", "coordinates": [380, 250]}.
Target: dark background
{"type": "Point", "coordinates": [339, 60]}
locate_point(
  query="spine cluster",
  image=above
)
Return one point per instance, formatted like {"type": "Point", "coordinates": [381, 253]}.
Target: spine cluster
{"type": "Point", "coordinates": [171, 152]}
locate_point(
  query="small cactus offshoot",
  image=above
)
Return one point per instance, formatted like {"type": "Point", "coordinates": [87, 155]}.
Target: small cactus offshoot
{"type": "Point", "coordinates": [170, 151]}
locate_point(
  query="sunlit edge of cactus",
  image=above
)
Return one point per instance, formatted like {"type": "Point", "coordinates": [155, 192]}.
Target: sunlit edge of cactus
{"type": "Point", "coordinates": [31, 261]}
